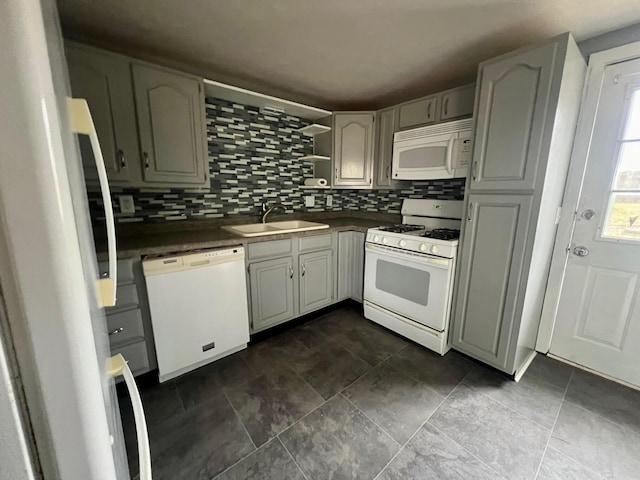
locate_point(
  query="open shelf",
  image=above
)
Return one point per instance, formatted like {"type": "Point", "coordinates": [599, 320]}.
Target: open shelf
{"type": "Point", "coordinates": [314, 129]}
{"type": "Point", "coordinates": [314, 158]}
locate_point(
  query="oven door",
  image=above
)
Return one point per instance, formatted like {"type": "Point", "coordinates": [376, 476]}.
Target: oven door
{"type": "Point", "coordinates": [413, 285]}
{"type": "Point", "coordinates": [424, 158]}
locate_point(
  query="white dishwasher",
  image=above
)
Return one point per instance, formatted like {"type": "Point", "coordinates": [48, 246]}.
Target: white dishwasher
{"type": "Point", "coordinates": [198, 305]}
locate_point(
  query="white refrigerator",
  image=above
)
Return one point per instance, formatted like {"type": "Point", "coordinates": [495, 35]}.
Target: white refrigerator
{"type": "Point", "coordinates": [57, 389]}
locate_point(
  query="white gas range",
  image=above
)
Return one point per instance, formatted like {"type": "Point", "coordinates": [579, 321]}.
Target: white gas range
{"type": "Point", "coordinates": [409, 271]}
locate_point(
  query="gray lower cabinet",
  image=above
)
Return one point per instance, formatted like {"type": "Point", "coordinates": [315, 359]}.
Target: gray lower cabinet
{"type": "Point", "coordinates": [104, 81]}
{"type": "Point", "coordinates": [350, 265]}
{"type": "Point", "coordinates": [353, 145]}
{"type": "Point", "coordinates": [129, 321]}
{"type": "Point", "coordinates": [171, 124]}
{"type": "Point", "coordinates": [272, 292]}
{"type": "Point", "coordinates": [316, 280]}
{"type": "Point", "coordinates": [490, 275]}
{"type": "Point", "coordinates": [526, 115]}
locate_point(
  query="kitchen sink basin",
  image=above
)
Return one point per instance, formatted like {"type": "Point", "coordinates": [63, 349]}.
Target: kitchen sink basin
{"type": "Point", "coordinates": [273, 228]}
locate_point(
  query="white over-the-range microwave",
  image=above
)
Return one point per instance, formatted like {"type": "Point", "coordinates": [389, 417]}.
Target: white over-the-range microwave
{"type": "Point", "coordinates": [438, 151]}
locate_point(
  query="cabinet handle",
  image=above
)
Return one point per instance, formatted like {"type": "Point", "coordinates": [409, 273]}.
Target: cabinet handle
{"type": "Point", "coordinates": [429, 111]}
{"type": "Point", "coordinates": [290, 271]}
{"type": "Point", "coordinates": [446, 107]}
{"type": "Point", "coordinates": [304, 270]}
{"type": "Point", "coordinates": [121, 159]}
{"type": "Point", "coordinates": [116, 331]}
{"type": "Point", "coordinates": [470, 212]}
{"type": "Point", "coordinates": [145, 155]}
{"type": "Point", "coordinates": [388, 175]}
{"type": "Point", "coordinates": [474, 168]}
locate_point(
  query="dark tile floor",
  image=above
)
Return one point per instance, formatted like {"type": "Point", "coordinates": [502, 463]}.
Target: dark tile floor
{"type": "Point", "coordinates": [340, 398]}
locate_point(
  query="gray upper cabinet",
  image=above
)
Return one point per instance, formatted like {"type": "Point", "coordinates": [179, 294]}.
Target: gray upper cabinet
{"type": "Point", "coordinates": [386, 126]}
{"type": "Point", "coordinates": [353, 147]}
{"type": "Point", "coordinates": [316, 280]}
{"type": "Point", "coordinates": [513, 108]}
{"type": "Point", "coordinates": [418, 112]}
{"type": "Point", "coordinates": [490, 273]}
{"type": "Point", "coordinates": [457, 103]}
{"type": "Point", "coordinates": [104, 80]}
{"type": "Point", "coordinates": [171, 124]}
{"type": "Point", "coordinates": [272, 292]}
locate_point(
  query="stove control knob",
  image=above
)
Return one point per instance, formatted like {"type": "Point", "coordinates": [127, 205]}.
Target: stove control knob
{"type": "Point", "coordinates": [376, 238]}
{"type": "Point", "coordinates": [385, 239]}
{"type": "Point", "coordinates": [434, 249]}
{"type": "Point", "coordinates": [402, 243]}
{"type": "Point", "coordinates": [423, 247]}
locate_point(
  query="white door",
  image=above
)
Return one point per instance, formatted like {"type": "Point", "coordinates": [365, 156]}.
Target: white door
{"type": "Point", "coordinates": [598, 318]}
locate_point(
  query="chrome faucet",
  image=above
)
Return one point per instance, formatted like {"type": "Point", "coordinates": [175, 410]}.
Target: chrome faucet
{"type": "Point", "coordinates": [266, 211]}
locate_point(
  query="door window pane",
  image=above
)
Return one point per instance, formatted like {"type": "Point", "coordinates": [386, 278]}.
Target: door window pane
{"type": "Point", "coordinates": [628, 171]}
{"type": "Point", "coordinates": [623, 218]}
{"type": "Point", "coordinates": [632, 129]}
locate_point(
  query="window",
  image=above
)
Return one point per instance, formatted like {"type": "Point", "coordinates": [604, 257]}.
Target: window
{"type": "Point", "coordinates": [623, 212]}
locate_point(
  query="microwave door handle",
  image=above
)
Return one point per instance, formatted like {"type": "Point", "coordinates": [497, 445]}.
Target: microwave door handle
{"type": "Point", "coordinates": [450, 154]}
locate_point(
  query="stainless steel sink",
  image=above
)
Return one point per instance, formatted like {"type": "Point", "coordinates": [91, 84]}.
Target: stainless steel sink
{"type": "Point", "coordinates": [273, 228]}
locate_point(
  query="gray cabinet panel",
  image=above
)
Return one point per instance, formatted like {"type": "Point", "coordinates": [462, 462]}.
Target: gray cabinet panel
{"type": "Point", "coordinates": [171, 124]}
{"type": "Point", "coordinates": [353, 149]}
{"type": "Point", "coordinates": [417, 113]}
{"type": "Point", "coordinates": [316, 280]}
{"type": "Point", "coordinates": [104, 80]}
{"type": "Point", "coordinates": [491, 267]}
{"type": "Point", "coordinates": [272, 294]}
{"type": "Point", "coordinates": [358, 265]}
{"type": "Point", "coordinates": [350, 265]}
{"type": "Point", "coordinates": [513, 106]}
{"type": "Point", "coordinates": [314, 242]}
{"type": "Point", "coordinates": [457, 103]}
{"type": "Point", "coordinates": [386, 126]}
{"type": "Point", "coordinates": [270, 249]}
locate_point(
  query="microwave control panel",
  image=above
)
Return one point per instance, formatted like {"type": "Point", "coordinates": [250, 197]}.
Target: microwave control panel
{"type": "Point", "coordinates": [464, 152]}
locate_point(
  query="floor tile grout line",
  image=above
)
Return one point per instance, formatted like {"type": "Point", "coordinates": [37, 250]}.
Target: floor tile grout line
{"type": "Point", "coordinates": [244, 427]}
{"type": "Point", "coordinates": [576, 461]}
{"type": "Point", "coordinates": [555, 421]}
{"type": "Point", "coordinates": [292, 458]}
{"type": "Point", "coordinates": [415, 379]}
{"type": "Point", "coordinates": [370, 419]}
{"type": "Point", "coordinates": [416, 432]}
{"type": "Point", "coordinates": [242, 459]}
{"type": "Point", "coordinates": [467, 450]}
{"type": "Point", "coordinates": [602, 417]}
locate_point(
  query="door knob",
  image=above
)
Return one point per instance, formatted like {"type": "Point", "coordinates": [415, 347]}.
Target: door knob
{"type": "Point", "coordinates": [581, 251]}
{"type": "Point", "coordinates": [588, 214]}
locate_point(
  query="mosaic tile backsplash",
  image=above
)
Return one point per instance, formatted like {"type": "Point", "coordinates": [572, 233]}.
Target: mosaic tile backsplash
{"type": "Point", "coordinates": [254, 159]}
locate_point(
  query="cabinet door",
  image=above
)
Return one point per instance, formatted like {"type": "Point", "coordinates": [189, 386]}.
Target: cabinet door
{"type": "Point", "coordinates": [353, 149]}
{"type": "Point", "coordinates": [417, 113]}
{"type": "Point", "coordinates": [512, 119]}
{"type": "Point", "coordinates": [489, 291]}
{"type": "Point", "coordinates": [104, 80]}
{"type": "Point", "coordinates": [385, 128]}
{"type": "Point", "coordinates": [316, 280]}
{"type": "Point", "coordinates": [271, 286]}
{"type": "Point", "coordinates": [457, 103]}
{"type": "Point", "coordinates": [171, 123]}
{"type": "Point", "coordinates": [345, 254]}
{"type": "Point", "coordinates": [357, 253]}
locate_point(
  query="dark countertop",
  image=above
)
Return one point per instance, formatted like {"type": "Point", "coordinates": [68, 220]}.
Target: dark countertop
{"type": "Point", "coordinates": [182, 236]}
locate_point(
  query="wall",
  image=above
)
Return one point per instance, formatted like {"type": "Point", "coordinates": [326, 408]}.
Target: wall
{"type": "Point", "coordinates": [254, 158]}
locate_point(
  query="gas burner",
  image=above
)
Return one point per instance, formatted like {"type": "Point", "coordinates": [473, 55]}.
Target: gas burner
{"type": "Point", "coordinates": [402, 228]}
{"type": "Point", "coordinates": [442, 234]}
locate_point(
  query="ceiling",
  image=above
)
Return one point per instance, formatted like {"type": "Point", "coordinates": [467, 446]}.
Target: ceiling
{"type": "Point", "coordinates": [336, 54]}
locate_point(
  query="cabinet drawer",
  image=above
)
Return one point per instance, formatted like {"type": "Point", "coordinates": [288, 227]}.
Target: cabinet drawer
{"type": "Point", "coordinates": [125, 327]}
{"type": "Point", "coordinates": [314, 242]}
{"type": "Point", "coordinates": [136, 355]}
{"type": "Point", "coordinates": [269, 249]}
{"type": "Point", "coordinates": [125, 270]}
{"type": "Point", "coordinates": [126, 297]}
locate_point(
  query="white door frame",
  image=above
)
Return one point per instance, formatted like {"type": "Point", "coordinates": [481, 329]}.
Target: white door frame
{"type": "Point", "coordinates": [581, 146]}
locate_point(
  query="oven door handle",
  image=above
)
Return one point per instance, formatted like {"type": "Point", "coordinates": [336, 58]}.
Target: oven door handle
{"type": "Point", "coordinates": [438, 262]}
{"type": "Point", "coordinates": [450, 154]}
